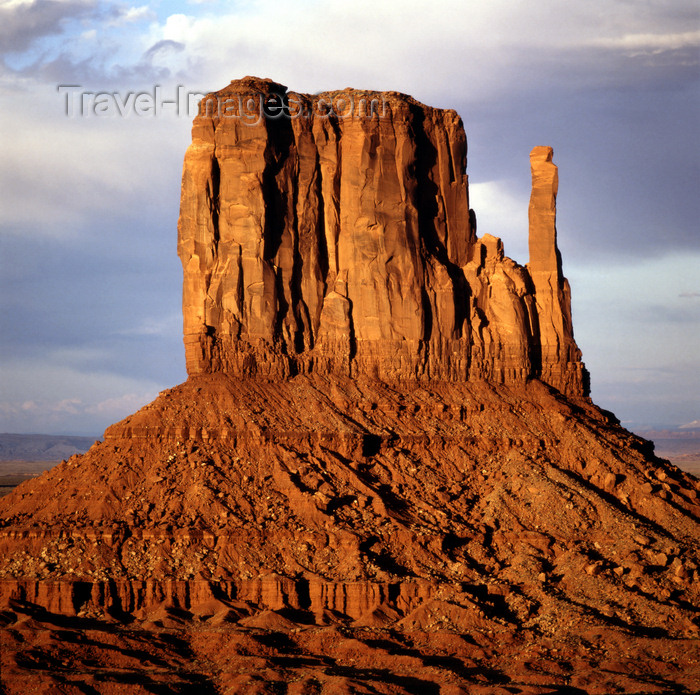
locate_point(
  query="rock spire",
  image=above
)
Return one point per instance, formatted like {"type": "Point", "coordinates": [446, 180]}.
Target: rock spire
{"type": "Point", "coordinates": [559, 356]}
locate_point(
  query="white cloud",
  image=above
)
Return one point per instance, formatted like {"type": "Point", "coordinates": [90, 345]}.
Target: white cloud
{"type": "Point", "coordinates": [651, 43]}
{"type": "Point", "coordinates": [180, 27]}
{"type": "Point", "coordinates": [483, 49]}
{"type": "Point", "coordinates": [502, 211]}
{"type": "Point", "coordinates": [11, 5]}
{"type": "Point", "coordinates": [61, 174]}
{"type": "Point", "coordinates": [478, 49]}
{"type": "Point", "coordinates": [131, 15]}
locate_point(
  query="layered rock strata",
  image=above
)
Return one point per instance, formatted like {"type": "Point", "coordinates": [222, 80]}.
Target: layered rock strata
{"type": "Point", "coordinates": [332, 233]}
{"type": "Point", "coordinates": [331, 493]}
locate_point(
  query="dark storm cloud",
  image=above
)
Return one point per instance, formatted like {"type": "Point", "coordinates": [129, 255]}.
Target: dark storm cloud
{"type": "Point", "coordinates": [628, 164]}
{"type": "Point", "coordinates": [21, 24]}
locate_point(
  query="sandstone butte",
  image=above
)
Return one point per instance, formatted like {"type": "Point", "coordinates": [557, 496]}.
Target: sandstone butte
{"type": "Point", "coordinates": [384, 473]}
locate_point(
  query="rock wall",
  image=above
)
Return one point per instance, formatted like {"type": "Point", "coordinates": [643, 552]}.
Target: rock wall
{"type": "Point", "coordinates": [332, 233]}
{"type": "Point", "coordinates": [129, 597]}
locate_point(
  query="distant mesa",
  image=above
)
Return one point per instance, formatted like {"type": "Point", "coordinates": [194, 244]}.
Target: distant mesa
{"type": "Point", "coordinates": [41, 447]}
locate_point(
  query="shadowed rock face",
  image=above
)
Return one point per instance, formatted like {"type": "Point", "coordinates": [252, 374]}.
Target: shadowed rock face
{"type": "Point", "coordinates": [332, 233]}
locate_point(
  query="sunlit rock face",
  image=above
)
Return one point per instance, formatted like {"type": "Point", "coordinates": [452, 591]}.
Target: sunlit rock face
{"type": "Point", "coordinates": [332, 233]}
{"type": "Point", "coordinates": [559, 356]}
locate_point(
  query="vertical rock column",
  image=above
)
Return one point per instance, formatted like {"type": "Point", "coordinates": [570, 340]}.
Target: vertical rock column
{"type": "Point", "coordinates": [559, 359]}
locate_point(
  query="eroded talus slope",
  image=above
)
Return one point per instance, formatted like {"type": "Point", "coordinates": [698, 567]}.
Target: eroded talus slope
{"type": "Point", "coordinates": [331, 491]}
{"type": "Point", "coordinates": [204, 651]}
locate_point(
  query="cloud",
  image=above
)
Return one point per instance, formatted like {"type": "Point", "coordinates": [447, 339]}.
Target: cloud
{"type": "Point", "coordinates": [120, 406]}
{"type": "Point", "coordinates": [169, 55]}
{"type": "Point", "coordinates": [41, 397]}
{"type": "Point", "coordinates": [58, 416]}
{"type": "Point", "coordinates": [689, 295]}
{"type": "Point", "coordinates": [483, 49]}
{"type": "Point", "coordinates": [501, 210]}
{"type": "Point", "coordinates": [130, 15]}
{"type": "Point", "coordinates": [23, 22]}
{"type": "Point", "coordinates": [90, 204]}
{"type": "Point", "coordinates": [636, 44]}
{"type": "Point", "coordinates": [81, 40]}
{"type": "Point", "coordinates": [154, 326]}
{"type": "Point", "coordinates": [491, 48]}
{"type": "Point", "coordinates": [695, 424]}
{"type": "Point", "coordinates": [62, 175]}
{"type": "Point", "coordinates": [639, 348]}
{"type": "Point", "coordinates": [166, 47]}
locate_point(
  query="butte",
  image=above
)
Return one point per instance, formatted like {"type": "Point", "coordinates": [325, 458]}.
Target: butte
{"type": "Point", "coordinates": [384, 472]}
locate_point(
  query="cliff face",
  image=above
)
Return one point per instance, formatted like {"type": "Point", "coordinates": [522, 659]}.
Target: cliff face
{"type": "Point", "coordinates": [332, 233]}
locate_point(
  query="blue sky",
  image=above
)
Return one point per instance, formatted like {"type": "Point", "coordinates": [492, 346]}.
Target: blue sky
{"type": "Point", "coordinates": [90, 282]}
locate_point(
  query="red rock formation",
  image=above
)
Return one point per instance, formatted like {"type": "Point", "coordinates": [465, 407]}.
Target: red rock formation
{"type": "Point", "coordinates": [338, 238]}
{"type": "Point", "coordinates": [383, 470]}
{"type": "Point", "coordinates": [559, 357]}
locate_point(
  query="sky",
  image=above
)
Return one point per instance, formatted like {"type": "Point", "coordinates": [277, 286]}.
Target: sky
{"type": "Point", "coordinates": [90, 283]}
